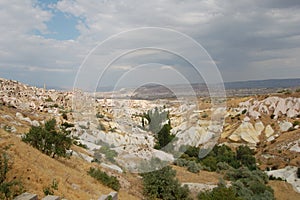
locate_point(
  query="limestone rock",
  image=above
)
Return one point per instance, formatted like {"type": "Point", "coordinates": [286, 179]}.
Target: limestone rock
{"type": "Point", "coordinates": [247, 132]}
{"type": "Point", "coordinates": [51, 197]}
{"type": "Point", "coordinates": [285, 125]}
{"type": "Point", "coordinates": [26, 196]}
{"type": "Point", "coordinates": [269, 131]}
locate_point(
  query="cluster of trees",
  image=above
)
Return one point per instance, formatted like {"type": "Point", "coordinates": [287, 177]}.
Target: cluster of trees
{"type": "Point", "coordinates": [245, 184]}
{"type": "Point", "coordinates": [104, 178]}
{"type": "Point", "coordinates": [221, 156]}
{"type": "Point", "coordinates": [162, 184]}
{"type": "Point", "coordinates": [49, 139]}
{"type": "Point", "coordinates": [157, 119]}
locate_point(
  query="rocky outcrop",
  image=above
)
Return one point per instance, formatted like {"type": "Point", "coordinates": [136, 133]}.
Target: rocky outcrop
{"type": "Point", "coordinates": [110, 196]}
{"type": "Point", "coordinates": [26, 196]}
{"type": "Point", "coordinates": [247, 132]}
{"type": "Point", "coordinates": [275, 106]}
{"type": "Point", "coordinates": [289, 174]}
{"type": "Point", "coordinates": [285, 125]}
{"type": "Point", "coordinates": [269, 131]}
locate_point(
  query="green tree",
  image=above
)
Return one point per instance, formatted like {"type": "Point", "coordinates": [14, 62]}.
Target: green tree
{"type": "Point", "coordinates": [156, 119]}
{"type": "Point", "coordinates": [162, 184]}
{"type": "Point", "coordinates": [245, 155]}
{"type": "Point", "coordinates": [49, 140]}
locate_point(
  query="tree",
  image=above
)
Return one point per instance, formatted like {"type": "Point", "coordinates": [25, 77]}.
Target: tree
{"type": "Point", "coordinates": [49, 140]}
{"type": "Point", "coordinates": [245, 155]}
{"type": "Point", "coordinates": [157, 124]}
{"type": "Point", "coordinates": [162, 184]}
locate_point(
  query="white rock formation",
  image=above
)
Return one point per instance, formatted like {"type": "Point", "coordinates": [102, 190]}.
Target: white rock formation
{"type": "Point", "coordinates": [285, 125]}
{"type": "Point", "coordinates": [269, 131]}
{"type": "Point", "coordinates": [247, 132]}
{"type": "Point", "coordinates": [289, 174]}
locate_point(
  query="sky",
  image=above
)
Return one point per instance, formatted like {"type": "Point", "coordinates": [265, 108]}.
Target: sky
{"type": "Point", "coordinates": [69, 43]}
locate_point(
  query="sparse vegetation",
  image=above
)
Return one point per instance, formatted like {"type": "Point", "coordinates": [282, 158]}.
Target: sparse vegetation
{"type": "Point", "coordinates": [49, 190]}
{"type": "Point", "coordinates": [162, 184]}
{"type": "Point", "coordinates": [109, 153]}
{"type": "Point", "coordinates": [104, 178]}
{"type": "Point", "coordinates": [296, 123]}
{"type": "Point", "coordinates": [204, 115]}
{"type": "Point", "coordinates": [8, 188]}
{"type": "Point", "coordinates": [48, 139]}
{"type": "Point", "coordinates": [244, 111]}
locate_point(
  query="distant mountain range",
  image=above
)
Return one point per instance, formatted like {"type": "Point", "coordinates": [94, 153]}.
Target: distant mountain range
{"type": "Point", "coordinates": [239, 88]}
{"type": "Point", "coordinates": [271, 83]}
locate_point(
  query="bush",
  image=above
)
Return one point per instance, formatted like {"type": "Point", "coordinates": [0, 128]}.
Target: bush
{"type": "Point", "coordinates": [250, 185]}
{"type": "Point", "coordinates": [162, 184]}
{"type": "Point", "coordinates": [193, 167]}
{"type": "Point", "coordinates": [104, 178]}
{"type": "Point", "coordinates": [219, 193]}
{"type": "Point", "coordinates": [49, 190]}
{"type": "Point", "coordinates": [8, 188]}
{"type": "Point", "coordinates": [109, 153]}
{"type": "Point", "coordinates": [295, 123]}
{"type": "Point", "coordinates": [48, 140]}
{"type": "Point", "coordinates": [181, 162]}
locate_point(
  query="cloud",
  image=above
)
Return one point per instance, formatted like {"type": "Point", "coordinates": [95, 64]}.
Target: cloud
{"type": "Point", "coordinates": [248, 39]}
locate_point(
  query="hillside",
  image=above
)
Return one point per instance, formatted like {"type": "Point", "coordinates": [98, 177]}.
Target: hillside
{"type": "Point", "coordinates": [114, 135]}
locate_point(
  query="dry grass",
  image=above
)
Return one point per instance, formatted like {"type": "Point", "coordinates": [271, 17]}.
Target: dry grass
{"type": "Point", "coordinates": [284, 191]}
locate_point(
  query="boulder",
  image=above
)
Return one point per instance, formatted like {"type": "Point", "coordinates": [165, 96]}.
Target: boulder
{"type": "Point", "coordinates": [51, 197]}
{"type": "Point", "coordinates": [285, 125]}
{"type": "Point", "coordinates": [247, 132]}
{"type": "Point", "coordinates": [26, 196]}
{"type": "Point", "coordinates": [269, 131]}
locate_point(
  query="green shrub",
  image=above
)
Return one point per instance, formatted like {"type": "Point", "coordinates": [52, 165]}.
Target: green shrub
{"type": "Point", "coordinates": [162, 184]}
{"type": "Point", "coordinates": [49, 140]}
{"type": "Point", "coordinates": [204, 115]}
{"type": "Point", "coordinates": [109, 153]}
{"type": "Point", "coordinates": [244, 111]}
{"type": "Point", "coordinates": [250, 185]}
{"type": "Point", "coordinates": [219, 193]}
{"type": "Point", "coordinates": [295, 123]}
{"type": "Point", "coordinates": [99, 115]}
{"type": "Point", "coordinates": [181, 162]}
{"type": "Point", "coordinates": [193, 167]}
{"type": "Point", "coordinates": [49, 190]}
{"type": "Point", "coordinates": [104, 178]}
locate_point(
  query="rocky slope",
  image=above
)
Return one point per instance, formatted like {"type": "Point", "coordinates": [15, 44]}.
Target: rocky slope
{"type": "Point", "coordinates": [267, 123]}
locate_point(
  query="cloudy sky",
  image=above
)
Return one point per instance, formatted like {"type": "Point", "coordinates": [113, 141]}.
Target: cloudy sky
{"type": "Point", "coordinates": [46, 41]}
